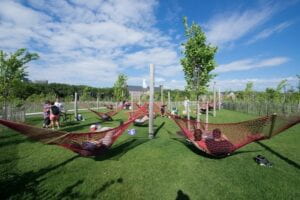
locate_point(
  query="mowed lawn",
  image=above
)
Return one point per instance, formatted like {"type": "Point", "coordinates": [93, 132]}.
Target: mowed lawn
{"type": "Point", "coordinates": [138, 168]}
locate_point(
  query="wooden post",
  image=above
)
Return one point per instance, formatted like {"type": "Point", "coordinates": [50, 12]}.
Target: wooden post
{"type": "Point", "coordinates": [273, 119]}
{"type": "Point", "coordinates": [198, 109]}
{"type": "Point", "coordinates": [219, 95]}
{"type": "Point", "coordinates": [162, 95]}
{"type": "Point", "coordinates": [206, 117]}
{"type": "Point", "coordinates": [214, 91]}
{"type": "Point", "coordinates": [151, 99]}
{"type": "Point", "coordinates": [75, 107]}
{"type": "Point", "coordinates": [131, 101]}
{"type": "Point", "coordinates": [188, 114]}
{"type": "Point", "coordinates": [169, 101]}
{"type": "Point", "coordinates": [139, 99]}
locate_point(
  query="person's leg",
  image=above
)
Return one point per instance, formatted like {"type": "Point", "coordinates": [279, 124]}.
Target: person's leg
{"type": "Point", "coordinates": [52, 124]}
{"type": "Point", "coordinates": [58, 123]}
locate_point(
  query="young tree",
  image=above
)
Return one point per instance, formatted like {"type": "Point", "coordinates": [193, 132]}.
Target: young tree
{"type": "Point", "coordinates": [198, 61]}
{"type": "Point", "coordinates": [120, 88]}
{"type": "Point", "coordinates": [12, 72]}
{"type": "Point", "coordinates": [248, 90]}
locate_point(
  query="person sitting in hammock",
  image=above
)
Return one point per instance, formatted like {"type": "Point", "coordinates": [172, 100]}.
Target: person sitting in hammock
{"type": "Point", "coordinates": [141, 120]}
{"type": "Point", "coordinates": [106, 117]}
{"type": "Point", "coordinates": [219, 144]}
{"type": "Point", "coordinates": [99, 145]}
{"type": "Point", "coordinates": [198, 134]}
{"type": "Point", "coordinates": [162, 110]}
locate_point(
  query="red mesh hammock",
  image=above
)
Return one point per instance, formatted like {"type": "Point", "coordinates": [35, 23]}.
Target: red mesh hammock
{"type": "Point", "coordinates": [237, 134]}
{"type": "Point", "coordinates": [68, 140]}
{"type": "Point", "coordinates": [142, 110]}
{"type": "Point", "coordinates": [110, 113]}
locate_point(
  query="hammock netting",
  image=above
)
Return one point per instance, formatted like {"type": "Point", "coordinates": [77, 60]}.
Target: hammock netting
{"type": "Point", "coordinates": [68, 140]}
{"type": "Point", "coordinates": [237, 134]}
{"type": "Point", "coordinates": [110, 113]}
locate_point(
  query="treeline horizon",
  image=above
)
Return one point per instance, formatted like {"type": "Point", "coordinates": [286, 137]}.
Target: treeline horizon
{"type": "Point", "coordinates": [31, 91]}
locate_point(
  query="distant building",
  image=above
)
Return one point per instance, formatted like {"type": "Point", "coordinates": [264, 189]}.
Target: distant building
{"type": "Point", "coordinates": [41, 81]}
{"type": "Point", "coordinates": [137, 91]}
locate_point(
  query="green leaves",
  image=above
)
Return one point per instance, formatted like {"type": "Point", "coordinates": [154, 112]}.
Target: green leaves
{"type": "Point", "coordinates": [120, 88]}
{"type": "Point", "coordinates": [198, 61]}
{"type": "Point", "coordinates": [12, 71]}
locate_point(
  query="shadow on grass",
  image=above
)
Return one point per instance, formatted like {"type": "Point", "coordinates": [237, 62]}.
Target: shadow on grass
{"type": "Point", "coordinates": [206, 155]}
{"type": "Point", "coordinates": [287, 160]}
{"type": "Point", "coordinates": [14, 142]}
{"type": "Point", "coordinates": [118, 151]}
{"type": "Point", "coordinates": [27, 183]}
{"type": "Point", "coordinates": [68, 192]}
{"type": "Point", "coordinates": [158, 128]}
{"type": "Point", "coordinates": [182, 196]}
{"type": "Point", "coordinates": [105, 186]}
{"type": "Point", "coordinates": [8, 136]}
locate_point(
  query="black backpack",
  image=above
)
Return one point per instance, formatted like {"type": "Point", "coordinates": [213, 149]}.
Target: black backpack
{"type": "Point", "coordinates": [55, 110]}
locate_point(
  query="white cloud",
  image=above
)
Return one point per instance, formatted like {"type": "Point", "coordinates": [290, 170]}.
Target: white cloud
{"type": "Point", "coordinates": [247, 64]}
{"type": "Point", "coordinates": [87, 39]}
{"type": "Point", "coordinates": [270, 31]}
{"type": "Point", "coordinates": [258, 84]}
{"type": "Point", "coordinates": [226, 28]}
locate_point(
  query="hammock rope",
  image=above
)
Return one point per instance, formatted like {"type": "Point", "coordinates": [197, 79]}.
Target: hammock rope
{"type": "Point", "coordinates": [68, 139]}
{"type": "Point", "coordinates": [237, 134]}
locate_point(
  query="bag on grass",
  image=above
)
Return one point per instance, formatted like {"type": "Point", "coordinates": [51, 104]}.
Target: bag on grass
{"type": "Point", "coordinates": [261, 160]}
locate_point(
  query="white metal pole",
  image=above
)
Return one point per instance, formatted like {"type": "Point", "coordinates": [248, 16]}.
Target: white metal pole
{"type": "Point", "coordinates": [97, 103]}
{"type": "Point", "coordinates": [219, 95]}
{"type": "Point", "coordinates": [151, 99]}
{"type": "Point", "coordinates": [75, 107]}
{"type": "Point", "coordinates": [214, 91]}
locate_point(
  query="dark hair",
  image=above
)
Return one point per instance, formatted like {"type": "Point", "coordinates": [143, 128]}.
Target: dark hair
{"type": "Point", "coordinates": [47, 102]}
{"type": "Point", "coordinates": [198, 134]}
{"type": "Point", "coordinates": [216, 133]}
{"type": "Point", "coordinates": [52, 103]}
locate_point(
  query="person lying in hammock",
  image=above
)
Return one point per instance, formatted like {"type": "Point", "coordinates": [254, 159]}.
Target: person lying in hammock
{"type": "Point", "coordinates": [106, 117]}
{"type": "Point", "coordinates": [98, 145]}
{"type": "Point", "coordinates": [219, 144]}
{"type": "Point", "coordinates": [141, 120]}
{"type": "Point", "coordinates": [98, 128]}
{"type": "Point", "coordinates": [198, 134]}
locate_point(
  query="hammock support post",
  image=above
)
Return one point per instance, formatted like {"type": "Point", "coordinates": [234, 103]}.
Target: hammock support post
{"type": "Point", "coordinates": [169, 101]}
{"type": "Point", "coordinates": [219, 98]}
{"type": "Point", "coordinates": [214, 91]}
{"type": "Point", "coordinates": [162, 95]}
{"type": "Point", "coordinates": [273, 119]}
{"type": "Point", "coordinates": [75, 107]}
{"type": "Point", "coordinates": [151, 99]}
{"type": "Point", "coordinates": [131, 94]}
{"type": "Point", "coordinates": [206, 116]}
{"type": "Point", "coordinates": [198, 110]}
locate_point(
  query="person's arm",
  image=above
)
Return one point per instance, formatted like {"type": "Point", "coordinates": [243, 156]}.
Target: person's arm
{"type": "Point", "coordinates": [224, 137]}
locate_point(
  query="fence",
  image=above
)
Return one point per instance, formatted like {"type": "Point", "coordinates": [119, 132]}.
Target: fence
{"type": "Point", "coordinates": [259, 108]}
{"type": "Point", "coordinates": [12, 112]}
{"type": "Point", "coordinates": [19, 112]}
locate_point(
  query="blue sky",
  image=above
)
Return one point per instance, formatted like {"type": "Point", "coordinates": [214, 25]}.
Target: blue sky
{"type": "Point", "coordinates": [91, 42]}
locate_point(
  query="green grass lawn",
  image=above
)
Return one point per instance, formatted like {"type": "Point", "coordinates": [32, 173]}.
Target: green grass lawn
{"type": "Point", "coordinates": [138, 168]}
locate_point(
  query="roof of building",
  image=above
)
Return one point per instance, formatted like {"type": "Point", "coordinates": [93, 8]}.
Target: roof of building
{"type": "Point", "coordinates": [135, 88]}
